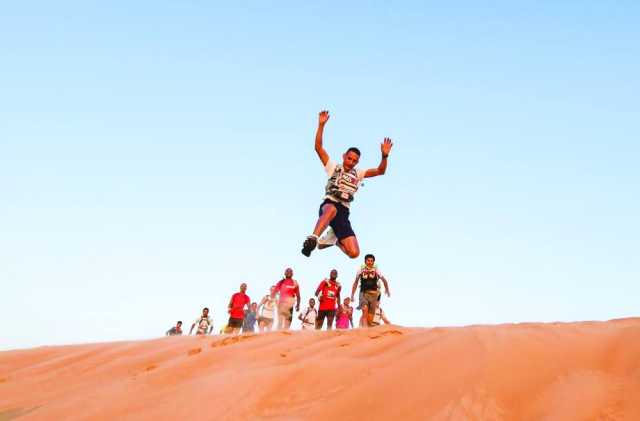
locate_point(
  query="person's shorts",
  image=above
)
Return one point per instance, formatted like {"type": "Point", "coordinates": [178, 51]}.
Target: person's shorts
{"type": "Point", "coordinates": [235, 323]}
{"type": "Point", "coordinates": [340, 224]}
{"type": "Point", "coordinates": [286, 312]}
{"type": "Point", "coordinates": [265, 320]}
{"type": "Point", "coordinates": [329, 314]}
{"type": "Point", "coordinates": [370, 299]}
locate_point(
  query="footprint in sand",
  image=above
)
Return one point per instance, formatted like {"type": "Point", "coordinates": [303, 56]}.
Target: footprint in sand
{"type": "Point", "coordinates": [387, 333]}
{"type": "Point", "coordinates": [194, 351]}
{"type": "Point", "coordinates": [225, 342]}
{"type": "Point", "coordinates": [16, 412]}
{"type": "Point", "coordinates": [232, 340]}
{"type": "Point", "coordinates": [151, 367]}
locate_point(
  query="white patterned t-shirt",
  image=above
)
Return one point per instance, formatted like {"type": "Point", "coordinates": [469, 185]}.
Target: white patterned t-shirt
{"type": "Point", "coordinates": [342, 185]}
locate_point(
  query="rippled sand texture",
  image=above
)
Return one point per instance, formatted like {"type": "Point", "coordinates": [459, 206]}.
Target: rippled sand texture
{"type": "Point", "coordinates": [572, 371]}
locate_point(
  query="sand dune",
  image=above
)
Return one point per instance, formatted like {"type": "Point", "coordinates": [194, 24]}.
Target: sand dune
{"type": "Point", "coordinates": [573, 371]}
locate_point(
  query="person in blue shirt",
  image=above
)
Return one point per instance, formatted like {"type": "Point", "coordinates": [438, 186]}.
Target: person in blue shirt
{"type": "Point", "coordinates": [250, 317]}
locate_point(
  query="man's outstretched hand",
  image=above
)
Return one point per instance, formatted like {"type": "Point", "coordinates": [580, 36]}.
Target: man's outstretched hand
{"type": "Point", "coordinates": [323, 117]}
{"type": "Point", "coordinates": [385, 146]}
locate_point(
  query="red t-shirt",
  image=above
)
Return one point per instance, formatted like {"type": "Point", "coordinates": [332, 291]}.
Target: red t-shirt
{"type": "Point", "coordinates": [329, 292]}
{"type": "Point", "coordinates": [288, 288]}
{"type": "Point", "coordinates": [238, 301]}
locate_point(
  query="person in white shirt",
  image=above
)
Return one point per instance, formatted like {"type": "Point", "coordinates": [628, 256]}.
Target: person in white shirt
{"type": "Point", "coordinates": [204, 323]}
{"type": "Point", "coordinates": [266, 310]}
{"type": "Point", "coordinates": [308, 316]}
{"type": "Point", "coordinates": [344, 180]}
{"type": "Point", "coordinates": [379, 317]}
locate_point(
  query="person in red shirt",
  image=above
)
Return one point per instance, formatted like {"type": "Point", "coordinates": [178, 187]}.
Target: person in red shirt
{"type": "Point", "coordinates": [287, 289]}
{"type": "Point", "coordinates": [237, 304]}
{"type": "Point", "coordinates": [328, 293]}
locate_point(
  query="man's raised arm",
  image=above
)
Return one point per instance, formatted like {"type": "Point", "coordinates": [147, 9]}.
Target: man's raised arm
{"type": "Point", "coordinates": [385, 148]}
{"type": "Point", "coordinates": [323, 117]}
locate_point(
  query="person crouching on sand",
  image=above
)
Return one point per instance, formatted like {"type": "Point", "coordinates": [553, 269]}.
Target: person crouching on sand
{"type": "Point", "coordinates": [344, 317]}
{"type": "Point", "coordinates": [176, 330]}
{"type": "Point", "coordinates": [379, 317]}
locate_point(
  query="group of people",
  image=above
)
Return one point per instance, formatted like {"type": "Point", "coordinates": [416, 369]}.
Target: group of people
{"type": "Point", "coordinates": [284, 298]}
{"type": "Point", "coordinates": [333, 228]}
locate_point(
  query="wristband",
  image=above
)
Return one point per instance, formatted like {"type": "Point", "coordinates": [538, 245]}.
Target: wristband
{"type": "Point", "coordinates": [385, 156]}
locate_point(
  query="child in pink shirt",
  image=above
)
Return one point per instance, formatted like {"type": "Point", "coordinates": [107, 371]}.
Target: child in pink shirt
{"type": "Point", "coordinates": [344, 318]}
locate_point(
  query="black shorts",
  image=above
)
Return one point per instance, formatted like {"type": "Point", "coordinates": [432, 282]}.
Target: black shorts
{"type": "Point", "coordinates": [328, 314]}
{"type": "Point", "coordinates": [340, 224]}
{"type": "Point", "coordinates": [235, 323]}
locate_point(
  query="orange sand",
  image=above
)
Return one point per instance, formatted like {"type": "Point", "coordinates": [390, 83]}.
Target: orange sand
{"type": "Point", "coordinates": [573, 371]}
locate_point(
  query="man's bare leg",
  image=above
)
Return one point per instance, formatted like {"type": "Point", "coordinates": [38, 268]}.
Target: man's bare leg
{"type": "Point", "coordinates": [371, 312]}
{"type": "Point", "coordinates": [365, 316]}
{"type": "Point", "coordinates": [280, 319]}
{"type": "Point", "coordinates": [329, 212]}
{"type": "Point", "coordinates": [350, 246]}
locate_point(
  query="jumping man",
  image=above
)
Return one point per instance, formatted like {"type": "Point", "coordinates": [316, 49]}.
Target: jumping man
{"type": "Point", "coordinates": [343, 183]}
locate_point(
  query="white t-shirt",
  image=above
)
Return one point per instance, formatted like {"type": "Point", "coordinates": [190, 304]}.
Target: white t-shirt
{"type": "Point", "coordinates": [267, 308]}
{"type": "Point", "coordinates": [342, 185]}
{"type": "Point", "coordinates": [378, 315]}
{"type": "Point", "coordinates": [309, 318]}
{"type": "Point", "coordinates": [203, 324]}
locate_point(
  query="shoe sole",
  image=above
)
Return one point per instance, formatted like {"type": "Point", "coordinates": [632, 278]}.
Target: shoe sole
{"type": "Point", "coordinates": [308, 246]}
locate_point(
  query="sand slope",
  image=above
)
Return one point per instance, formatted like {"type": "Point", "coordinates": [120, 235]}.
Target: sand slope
{"type": "Point", "coordinates": [575, 371]}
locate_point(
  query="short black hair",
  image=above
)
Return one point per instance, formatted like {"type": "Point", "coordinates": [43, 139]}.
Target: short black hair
{"type": "Point", "coordinates": [206, 308]}
{"type": "Point", "coordinates": [179, 322]}
{"type": "Point", "coordinates": [354, 149]}
{"type": "Point", "coordinates": [370, 255]}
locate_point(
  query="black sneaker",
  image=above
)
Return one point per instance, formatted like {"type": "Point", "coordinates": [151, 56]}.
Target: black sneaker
{"type": "Point", "coordinates": [308, 245]}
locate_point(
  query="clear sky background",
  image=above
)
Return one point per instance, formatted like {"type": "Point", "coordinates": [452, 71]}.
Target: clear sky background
{"type": "Point", "coordinates": [154, 155]}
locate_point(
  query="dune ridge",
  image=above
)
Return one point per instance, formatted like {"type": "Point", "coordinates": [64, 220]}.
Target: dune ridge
{"type": "Point", "coordinates": [528, 371]}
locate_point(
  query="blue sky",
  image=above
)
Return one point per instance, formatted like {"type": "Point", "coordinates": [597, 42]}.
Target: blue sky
{"type": "Point", "coordinates": [155, 155]}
